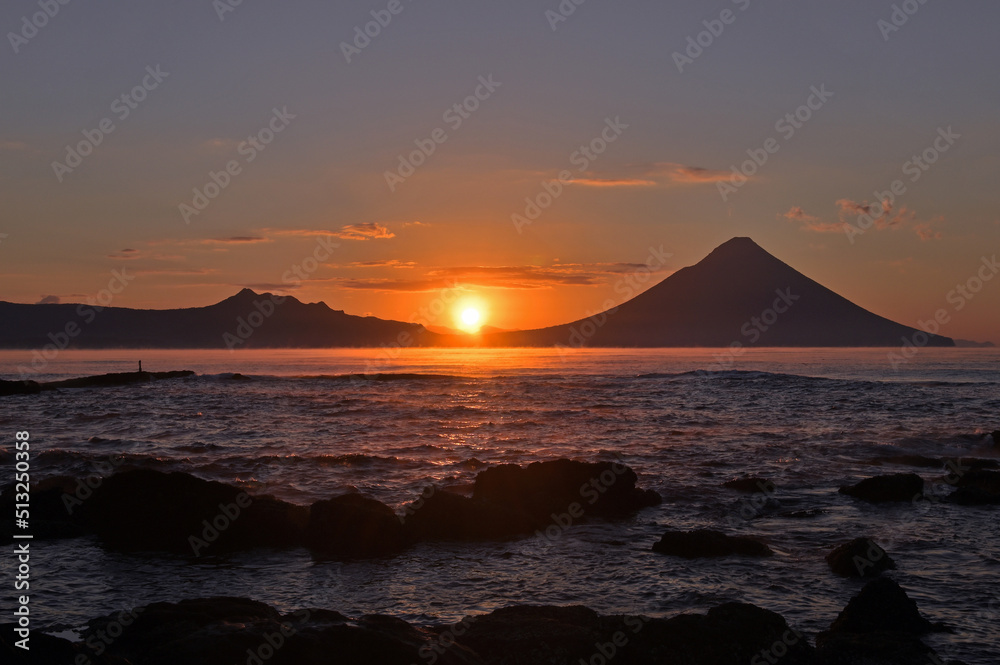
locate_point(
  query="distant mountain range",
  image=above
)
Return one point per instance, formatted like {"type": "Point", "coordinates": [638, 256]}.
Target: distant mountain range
{"type": "Point", "coordinates": [738, 294]}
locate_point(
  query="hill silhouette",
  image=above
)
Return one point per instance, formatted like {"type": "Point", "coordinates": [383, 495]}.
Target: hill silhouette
{"type": "Point", "coordinates": [737, 294]}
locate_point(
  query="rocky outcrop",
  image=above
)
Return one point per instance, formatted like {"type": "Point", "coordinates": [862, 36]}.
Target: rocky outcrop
{"type": "Point", "coordinates": [222, 631]}
{"type": "Point", "coordinates": [888, 488]}
{"type": "Point", "coordinates": [509, 500]}
{"type": "Point", "coordinates": [862, 557]}
{"type": "Point", "coordinates": [750, 485]}
{"type": "Point", "coordinates": [881, 625]}
{"type": "Point", "coordinates": [177, 512]}
{"type": "Point", "coordinates": [704, 543]}
{"type": "Point", "coordinates": [353, 525]}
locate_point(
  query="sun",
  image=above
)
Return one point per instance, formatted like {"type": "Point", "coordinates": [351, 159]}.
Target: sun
{"type": "Point", "coordinates": [470, 314]}
{"type": "Point", "coordinates": [471, 319]}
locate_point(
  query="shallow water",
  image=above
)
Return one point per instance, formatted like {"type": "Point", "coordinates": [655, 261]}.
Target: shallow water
{"type": "Point", "coordinates": [303, 429]}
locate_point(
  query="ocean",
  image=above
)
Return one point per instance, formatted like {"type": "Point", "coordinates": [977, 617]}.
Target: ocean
{"type": "Point", "coordinates": [305, 427]}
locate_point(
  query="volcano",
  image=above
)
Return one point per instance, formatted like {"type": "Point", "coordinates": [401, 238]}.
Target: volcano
{"type": "Point", "coordinates": [737, 294]}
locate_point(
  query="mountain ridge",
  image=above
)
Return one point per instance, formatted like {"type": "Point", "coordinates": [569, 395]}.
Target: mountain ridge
{"type": "Point", "coordinates": [738, 295]}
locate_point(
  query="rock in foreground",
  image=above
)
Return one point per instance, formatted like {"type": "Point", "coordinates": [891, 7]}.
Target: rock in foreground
{"type": "Point", "coordinates": [862, 557]}
{"type": "Point", "coordinates": [706, 543]}
{"type": "Point", "coordinates": [888, 488]}
{"type": "Point", "coordinates": [224, 631]}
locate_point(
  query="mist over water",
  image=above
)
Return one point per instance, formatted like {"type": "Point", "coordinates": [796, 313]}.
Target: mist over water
{"type": "Point", "coordinates": [304, 429]}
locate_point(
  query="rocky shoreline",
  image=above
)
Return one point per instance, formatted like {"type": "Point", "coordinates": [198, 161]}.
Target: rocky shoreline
{"type": "Point", "coordinates": [880, 625]}
{"type": "Point", "coordinates": [28, 387]}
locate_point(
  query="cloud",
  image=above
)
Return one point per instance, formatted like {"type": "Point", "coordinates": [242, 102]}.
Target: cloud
{"type": "Point", "coordinates": [269, 286]}
{"type": "Point", "coordinates": [498, 277]}
{"type": "Point", "coordinates": [176, 273]}
{"type": "Point", "coordinates": [925, 232]}
{"type": "Point", "coordinates": [130, 254]}
{"type": "Point", "coordinates": [620, 182]}
{"type": "Point", "coordinates": [387, 263]}
{"type": "Point", "coordinates": [881, 216]}
{"type": "Point", "coordinates": [364, 231]}
{"type": "Point", "coordinates": [690, 174]}
{"type": "Point", "coordinates": [407, 225]}
{"type": "Point", "coordinates": [877, 216]}
{"type": "Point", "coordinates": [811, 223]}
{"type": "Point", "coordinates": [14, 145]}
{"type": "Point", "coordinates": [655, 174]}
{"type": "Point", "coordinates": [235, 240]}
{"type": "Point", "coordinates": [49, 300]}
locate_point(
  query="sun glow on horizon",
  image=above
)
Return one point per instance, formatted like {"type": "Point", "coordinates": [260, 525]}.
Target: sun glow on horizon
{"type": "Point", "coordinates": [469, 315]}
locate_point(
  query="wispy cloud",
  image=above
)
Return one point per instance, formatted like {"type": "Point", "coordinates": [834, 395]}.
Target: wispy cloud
{"type": "Point", "coordinates": [656, 174]}
{"type": "Point", "coordinates": [14, 146]}
{"type": "Point", "coordinates": [387, 263]}
{"type": "Point", "coordinates": [364, 231]}
{"type": "Point", "coordinates": [882, 216]}
{"type": "Point", "coordinates": [235, 240]}
{"type": "Point", "coordinates": [811, 223]}
{"type": "Point", "coordinates": [496, 277]}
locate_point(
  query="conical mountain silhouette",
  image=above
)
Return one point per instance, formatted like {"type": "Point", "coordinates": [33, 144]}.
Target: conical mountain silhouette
{"type": "Point", "coordinates": [737, 294]}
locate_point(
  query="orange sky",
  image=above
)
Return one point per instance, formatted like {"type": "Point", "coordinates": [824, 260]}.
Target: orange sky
{"type": "Point", "coordinates": [632, 153]}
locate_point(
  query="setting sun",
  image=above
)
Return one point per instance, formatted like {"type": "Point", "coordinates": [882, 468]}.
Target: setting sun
{"type": "Point", "coordinates": [471, 319]}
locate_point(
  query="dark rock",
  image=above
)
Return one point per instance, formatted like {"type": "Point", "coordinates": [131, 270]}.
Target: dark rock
{"type": "Point", "coordinates": [881, 625]}
{"type": "Point", "coordinates": [446, 516]}
{"type": "Point", "coordinates": [862, 557]}
{"type": "Point", "coordinates": [48, 650]}
{"type": "Point", "coordinates": [51, 516]}
{"type": "Point", "coordinates": [731, 634]}
{"type": "Point", "coordinates": [876, 648]}
{"type": "Point", "coordinates": [353, 525]}
{"type": "Point", "coordinates": [881, 489]}
{"type": "Point", "coordinates": [910, 460]}
{"type": "Point", "coordinates": [987, 481]}
{"type": "Point", "coordinates": [706, 543]}
{"type": "Point", "coordinates": [544, 488]}
{"type": "Point", "coordinates": [881, 606]}
{"type": "Point", "coordinates": [996, 437]}
{"type": "Point", "coordinates": [19, 388]}
{"type": "Point", "coordinates": [177, 512]}
{"type": "Point", "coordinates": [214, 631]}
{"type": "Point", "coordinates": [973, 496]}
{"type": "Point", "coordinates": [750, 484]}
{"type": "Point", "coordinates": [118, 379]}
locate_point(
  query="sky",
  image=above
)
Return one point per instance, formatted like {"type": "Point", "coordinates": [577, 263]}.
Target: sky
{"type": "Point", "coordinates": [200, 147]}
